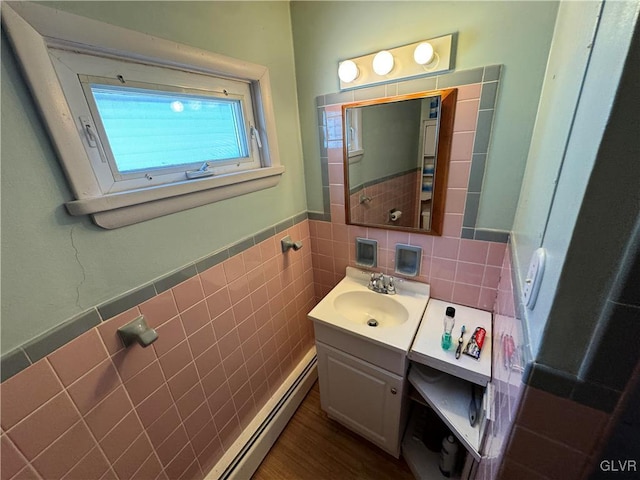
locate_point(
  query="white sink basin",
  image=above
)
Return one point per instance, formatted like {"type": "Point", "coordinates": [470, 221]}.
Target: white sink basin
{"type": "Point", "coordinates": [350, 306]}
{"type": "Point", "coordinates": [372, 309]}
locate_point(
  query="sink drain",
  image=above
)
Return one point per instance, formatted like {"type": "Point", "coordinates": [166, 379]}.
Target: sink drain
{"type": "Point", "coordinates": [372, 323]}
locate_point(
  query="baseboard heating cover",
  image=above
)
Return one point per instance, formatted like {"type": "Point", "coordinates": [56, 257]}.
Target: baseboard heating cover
{"type": "Point", "coordinates": [244, 457]}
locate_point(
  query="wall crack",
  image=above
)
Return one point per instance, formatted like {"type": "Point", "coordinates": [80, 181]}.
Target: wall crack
{"type": "Point", "coordinates": [84, 272]}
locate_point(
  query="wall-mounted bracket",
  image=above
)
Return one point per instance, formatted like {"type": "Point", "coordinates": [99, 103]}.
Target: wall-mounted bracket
{"type": "Point", "coordinates": [288, 244]}
{"type": "Point", "coordinates": [137, 331]}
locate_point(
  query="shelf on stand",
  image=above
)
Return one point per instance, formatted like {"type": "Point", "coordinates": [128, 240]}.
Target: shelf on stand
{"type": "Point", "coordinates": [422, 461]}
{"type": "Point", "coordinates": [449, 397]}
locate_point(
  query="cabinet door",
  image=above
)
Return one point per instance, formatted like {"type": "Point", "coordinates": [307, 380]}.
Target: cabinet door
{"type": "Point", "coordinates": [363, 397]}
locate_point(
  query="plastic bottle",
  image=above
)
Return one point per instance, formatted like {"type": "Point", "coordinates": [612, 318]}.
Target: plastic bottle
{"type": "Point", "coordinates": [449, 322]}
{"type": "Point", "coordinates": [448, 455]}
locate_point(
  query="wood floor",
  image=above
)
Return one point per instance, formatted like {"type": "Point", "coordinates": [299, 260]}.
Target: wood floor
{"type": "Point", "coordinates": [313, 447]}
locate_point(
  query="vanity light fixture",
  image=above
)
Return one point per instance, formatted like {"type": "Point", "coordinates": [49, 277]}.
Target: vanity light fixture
{"type": "Point", "coordinates": [426, 57]}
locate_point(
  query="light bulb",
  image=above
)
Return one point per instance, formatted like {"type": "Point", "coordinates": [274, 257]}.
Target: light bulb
{"type": "Point", "coordinates": [348, 71]}
{"type": "Point", "coordinates": [177, 106]}
{"type": "Point", "coordinates": [383, 62]}
{"type": "Point", "coordinates": [423, 54]}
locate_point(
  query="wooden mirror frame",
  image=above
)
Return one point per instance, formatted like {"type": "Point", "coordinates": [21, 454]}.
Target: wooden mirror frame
{"type": "Point", "coordinates": [448, 99]}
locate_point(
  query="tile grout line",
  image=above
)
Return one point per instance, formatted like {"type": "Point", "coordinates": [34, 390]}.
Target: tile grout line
{"type": "Point", "coordinates": [82, 419]}
{"type": "Point", "coordinates": [204, 394]}
{"type": "Point", "coordinates": [20, 454]}
{"type": "Point", "coordinates": [134, 410]}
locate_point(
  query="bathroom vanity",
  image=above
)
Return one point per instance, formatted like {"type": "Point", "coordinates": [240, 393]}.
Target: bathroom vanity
{"type": "Point", "coordinates": [379, 357]}
{"type": "Point", "coordinates": [362, 368]}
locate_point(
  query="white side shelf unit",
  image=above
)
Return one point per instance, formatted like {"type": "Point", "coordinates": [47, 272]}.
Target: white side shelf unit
{"type": "Point", "coordinates": [450, 397]}
{"type": "Point", "coordinates": [426, 347]}
{"type": "Point", "coordinates": [446, 383]}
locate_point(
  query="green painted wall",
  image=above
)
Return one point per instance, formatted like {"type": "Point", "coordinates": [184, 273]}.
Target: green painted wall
{"type": "Point", "coordinates": [54, 265]}
{"type": "Point", "coordinates": [514, 34]}
{"type": "Point", "coordinates": [390, 138]}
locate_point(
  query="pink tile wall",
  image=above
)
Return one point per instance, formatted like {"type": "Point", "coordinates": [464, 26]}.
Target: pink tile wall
{"type": "Point", "coordinates": [554, 437]}
{"type": "Point", "coordinates": [507, 374]}
{"type": "Point", "coordinates": [400, 193]}
{"type": "Point", "coordinates": [535, 434]}
{"type": "Point", "coordinates": [228, 337]}
{"type": "Point", "coordinates": [459, 270]}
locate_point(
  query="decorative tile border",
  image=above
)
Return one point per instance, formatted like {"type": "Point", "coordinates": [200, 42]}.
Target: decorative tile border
{"type": "Point", "coordinates": [484, 234]}
{"type": "Point", "coordinates": [22, 357]}
{"type": "Point", "coordinates": [371, 183]}
{"type": "Point", "coordinates": [489, 79]}
{"type": "Point", "coordinates": [566, 385]}
{"type": "Point", "coordinates": [322, 217]}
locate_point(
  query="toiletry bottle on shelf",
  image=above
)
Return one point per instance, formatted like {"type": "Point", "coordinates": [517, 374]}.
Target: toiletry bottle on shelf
{"type": "Point", "coordinates": [449, 322]}
{"type": "Point", "coordinates": [448, 455]}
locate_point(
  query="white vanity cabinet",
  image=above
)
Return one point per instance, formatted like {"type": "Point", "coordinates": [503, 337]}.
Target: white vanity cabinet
{"type": "Point", "coordinates": [362, 365]}
{"type": "Point", "coordinates": [364, 397]}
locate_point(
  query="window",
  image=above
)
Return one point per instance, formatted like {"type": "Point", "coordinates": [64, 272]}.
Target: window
{"type": "Point", "coordinates": [333, 129]}
{"type": "Point", "coordinates": [353, 132]}
{"type": "Point", "coordinates": [153, 129]}
{"type": "Point", "coordinates": [144, 127]}
{"type": "Point", "coordinates": [139, 133]}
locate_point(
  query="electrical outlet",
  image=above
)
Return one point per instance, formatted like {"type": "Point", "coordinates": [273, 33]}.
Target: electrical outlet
{"type": "Point", "coordinates": [534, 278]}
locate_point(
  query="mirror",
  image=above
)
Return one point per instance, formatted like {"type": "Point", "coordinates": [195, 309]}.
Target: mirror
{"type": "Point", "coordinates": [396, 160]}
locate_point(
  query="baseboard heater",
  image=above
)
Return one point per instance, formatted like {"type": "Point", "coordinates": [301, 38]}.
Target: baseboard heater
{"type": "Point", "coordinates": [244, 457]}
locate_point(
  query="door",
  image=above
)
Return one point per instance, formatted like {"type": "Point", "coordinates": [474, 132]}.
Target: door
{"type": "Point", "coordinates": [361, 396]}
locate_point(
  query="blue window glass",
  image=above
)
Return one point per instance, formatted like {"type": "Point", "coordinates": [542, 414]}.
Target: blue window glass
{"type": "Point", "coordinates": [149, 129]}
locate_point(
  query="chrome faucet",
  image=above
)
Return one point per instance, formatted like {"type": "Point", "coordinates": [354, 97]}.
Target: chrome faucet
{"type": "Point", "coordinates": [382, 283]}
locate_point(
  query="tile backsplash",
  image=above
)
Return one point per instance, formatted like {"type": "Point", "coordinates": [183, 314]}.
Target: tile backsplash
{"type": "Point", "coordinates": [458, 270]}
{"type": "Point", "coordinates": [228, 337]}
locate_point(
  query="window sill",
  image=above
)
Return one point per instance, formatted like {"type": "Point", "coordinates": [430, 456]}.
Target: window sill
{"type": "Point", "coordinates": [355, 156]}
{"type": "Point", "coordinates": [120, 209]}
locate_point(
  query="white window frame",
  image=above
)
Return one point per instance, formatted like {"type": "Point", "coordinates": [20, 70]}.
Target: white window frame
{"type": "Point", "coordinates": [353, 134]}
{"type": "Point", "coordinates": [35, 31]}
{"type": "Point", "coordinates": [68, 66]}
